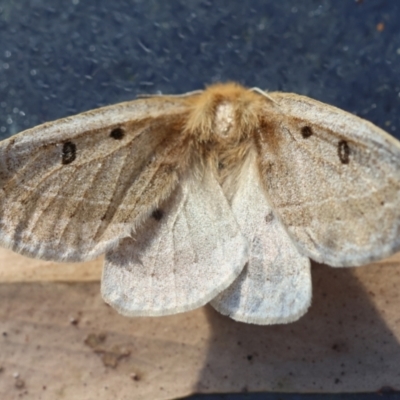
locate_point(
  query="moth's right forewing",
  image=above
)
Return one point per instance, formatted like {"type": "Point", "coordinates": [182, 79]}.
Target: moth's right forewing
{"type": "Point", "coordinates": [71, 188]}
{"type": "Point", "coordinates": [188, 252]}
{"type": "Point", "coordinates": [332, 178]}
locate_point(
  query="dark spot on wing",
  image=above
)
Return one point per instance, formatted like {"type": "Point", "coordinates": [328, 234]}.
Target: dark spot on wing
{"type": "Point", "coordinates": [68, 152]}
{"type": "Point", "coordinates": [344, 152]}
{"type": "Point", "coordinates": [269, 217]}
{"type": "Point", "coordinates": [117, 133]}
{"type": "Point", "coordinates": [157, 214]}
{"type": "Point", "coordinates": [306, 132]}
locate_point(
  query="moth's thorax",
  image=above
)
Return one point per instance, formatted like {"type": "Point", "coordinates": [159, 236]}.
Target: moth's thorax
{"type": "Point", "coordinates": [224, 123]}
{"type": "Point", "coordinates": [227, 112]}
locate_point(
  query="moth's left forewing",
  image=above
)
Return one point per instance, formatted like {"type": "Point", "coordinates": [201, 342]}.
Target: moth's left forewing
{"type": "Point", "coordinates": [332, 178]}
{"type": "Point", "coordinates": [70, 189]}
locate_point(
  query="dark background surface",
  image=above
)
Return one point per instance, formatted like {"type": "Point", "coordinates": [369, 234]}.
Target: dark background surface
{"type": "Point", "coordinates": [61, 57]}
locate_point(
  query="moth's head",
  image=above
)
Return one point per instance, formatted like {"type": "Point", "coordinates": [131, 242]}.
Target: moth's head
{"type": "Point", "coordinates": [223, 112]}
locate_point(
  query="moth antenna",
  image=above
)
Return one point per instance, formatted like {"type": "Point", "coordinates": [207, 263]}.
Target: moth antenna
{"type": "Point", "coordinates": [150, 95]}
{"type": "Point", "coordinates": [263, 93]}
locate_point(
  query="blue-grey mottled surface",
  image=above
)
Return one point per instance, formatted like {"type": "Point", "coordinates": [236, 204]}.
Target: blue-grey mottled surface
{"type": "Point", "coordinates": [61, 57]}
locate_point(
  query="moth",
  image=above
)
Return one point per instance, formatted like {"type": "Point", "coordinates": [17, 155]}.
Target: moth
{"type": "Point", "coordinates": [221, 196]}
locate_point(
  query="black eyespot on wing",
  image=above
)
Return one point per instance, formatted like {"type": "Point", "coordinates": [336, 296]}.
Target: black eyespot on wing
{"type": "Point", "coordinates": [117, 133]}
{"type": "Point", "coordinates": [344, 152]}
{"type": "Point", "coordinates": [157, 214]}
{"type": "Point", "coordinates": [68, 152]}
{"type": "Point", "coordinates": [306, 132]}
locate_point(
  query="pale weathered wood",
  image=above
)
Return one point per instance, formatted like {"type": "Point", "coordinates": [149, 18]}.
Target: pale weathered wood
{"type": "Point", "coordinates": [17, 268]}
{"type": "Point", "coordinates": [51, 343]}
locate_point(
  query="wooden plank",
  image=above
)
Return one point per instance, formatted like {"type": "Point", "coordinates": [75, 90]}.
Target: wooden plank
{"type": "Point", "coordinates": [59, 341]}
{"type": "Point", "coordinates": [16, 268]}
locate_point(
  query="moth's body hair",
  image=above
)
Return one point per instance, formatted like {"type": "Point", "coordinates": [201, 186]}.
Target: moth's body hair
{"type": "Point", "coordinates": [221, 121]}
{"type": "Point", "coordinates": [219, 195]}
{"type": "Point", "coordinates": [246, 106]}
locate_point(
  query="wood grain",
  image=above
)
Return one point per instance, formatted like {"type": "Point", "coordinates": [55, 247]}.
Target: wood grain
{"type": "Point", "coordinates": [59, 340]}
{"type": "Point", "coordinates": [17, 268]}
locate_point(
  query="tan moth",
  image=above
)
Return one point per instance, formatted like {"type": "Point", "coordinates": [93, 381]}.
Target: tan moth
{"type": "Point", "coordinates": [218, 196]}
